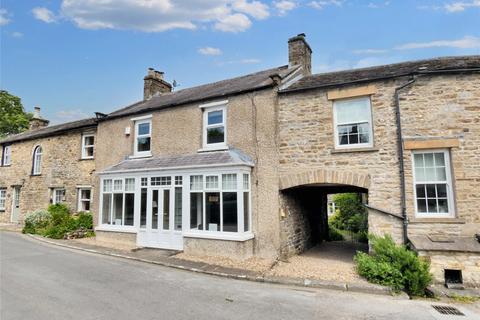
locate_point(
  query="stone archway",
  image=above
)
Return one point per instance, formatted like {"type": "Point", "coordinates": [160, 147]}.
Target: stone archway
{"type": "Point", "coordinates": [322, 176]}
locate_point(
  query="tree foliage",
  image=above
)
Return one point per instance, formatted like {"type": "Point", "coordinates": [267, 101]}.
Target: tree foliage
{"type": "Point", "coordinates": [13, 118]}
{"type": "Point", "coordinates": [351, 214]}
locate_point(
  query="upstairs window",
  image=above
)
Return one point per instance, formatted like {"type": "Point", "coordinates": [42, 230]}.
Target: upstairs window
{"type": "Point", "coordinates": [214, 127]}
{"type": "Point", "coordinates": [143, 136]}
{"type": "Point", "coordinates": [353, 123]}
{"type": "Point", "coordinates": [433, 183]}
{"type": "Point", "coordinates": [6, 155]}
{"type": "Point", "coordinates": [88, 143]}
{"type": "Point", "coordinates": [37, 161]}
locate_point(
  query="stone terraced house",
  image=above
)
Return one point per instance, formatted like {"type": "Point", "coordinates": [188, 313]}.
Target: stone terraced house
{"type": "Point", "coordinates": [243, 167]}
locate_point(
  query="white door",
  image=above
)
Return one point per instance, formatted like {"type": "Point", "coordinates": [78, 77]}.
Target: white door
{"type": "Point", "coordinates": [162, 229]}
{"type": "Point", "coordinates": [15, 204]}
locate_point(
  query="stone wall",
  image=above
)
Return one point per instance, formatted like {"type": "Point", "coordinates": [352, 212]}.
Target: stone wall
{"type": "Point", "coordinates": [239, 250]}
{"type": "Point", "coordinates": [61, 167]}
{"type": "Point", "coordinates": [251, 128]}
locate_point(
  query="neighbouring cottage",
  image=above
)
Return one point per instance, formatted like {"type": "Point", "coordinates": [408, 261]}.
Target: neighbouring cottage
{"type": "Point", "coordinates": [243, 167]}
{"type": "Point", "coordinates": [47, 165]}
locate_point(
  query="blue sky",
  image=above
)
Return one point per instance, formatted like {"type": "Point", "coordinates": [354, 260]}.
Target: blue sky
{"type": "Point", "coordinates": [75, 57]}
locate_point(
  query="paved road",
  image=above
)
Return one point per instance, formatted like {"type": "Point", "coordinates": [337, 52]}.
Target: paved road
{"type": "Point", "coordinates": [39, 281]}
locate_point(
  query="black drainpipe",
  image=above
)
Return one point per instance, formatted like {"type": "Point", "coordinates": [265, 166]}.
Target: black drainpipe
{"type": "Point", "coordinates": [400, 158]}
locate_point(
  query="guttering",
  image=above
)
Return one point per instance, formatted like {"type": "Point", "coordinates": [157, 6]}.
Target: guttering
{"type": "Point", "coordinates": [401, 164]}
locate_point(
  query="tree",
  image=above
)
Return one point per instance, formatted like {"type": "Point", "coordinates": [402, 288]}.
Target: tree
{"type": "Point", "coordinates": [351, 214]}
{"type": "Point", "coordinates": [13, 118]}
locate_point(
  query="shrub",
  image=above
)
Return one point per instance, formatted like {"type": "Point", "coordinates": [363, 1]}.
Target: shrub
{"type": "Point", "coordinates": [351, 214]}
{"type": "Point", "coordinates": [37, 221]}
{"type": "Point", "coordinates": [394, 266]}
{"type": "Point", "coordinates": [334, 234]}
{"type": "Point", "coordinates": [85, 220]}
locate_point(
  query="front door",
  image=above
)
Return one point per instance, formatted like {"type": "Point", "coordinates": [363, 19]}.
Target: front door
{"type": "Point", "coordinates": [15, 205]}
{"type": "Point", "coordinates": [162, 229]}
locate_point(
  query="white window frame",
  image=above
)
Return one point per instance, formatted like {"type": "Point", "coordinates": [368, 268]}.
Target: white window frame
{"type": "Point", "coordinates": [123, 191]}
{"type": "Point", "coordinates": [82, 200]}
{"type": "Point", "coordinates": [137, 136]}
{"type": "Point", "coordinates": [85, 146]}
{"type": "Point", "coordinates": [370, 125]}
{"type": "Point", "coordinates": [3, 199]}
{"type": "Point", "coordinates": [450, 194]}
{"type": "Point", "coordinates": [37, 160]}
{"type": "Point", "coordinates": [54, 195]}
{"type": "Point", "coordinates": [217, 106]}
{"type": "Point", "coordinates": [7, 155]}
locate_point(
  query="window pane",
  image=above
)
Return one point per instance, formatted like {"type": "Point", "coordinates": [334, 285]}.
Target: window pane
{"type": "Point", "coordinates": [230, 215]}
{"type": "Point", "coordinates": [144, 128]}
{"type": "Point", "coordinates": [342, 130]}
{"type": "Point", "coordinates": [85, 206]}
{"type": "Point", "coordinates": [246, 211]}
{"type": "Point", "coordinates": [428, 159]}
{"type": "Point", "coordinates": [430, 174]}
{"type": "Point", "coordinates": [89, 141]}
{"type": "Point", "coordinates": [130, 184]}
{"type": "Point", "coordinates": [196, 182]}
{"type": "Point", "coordinates": [215, 135]}
{"type": "Point", "coordinates": [143, 208]}
{"type": "Point", "coordinates": [212, 211]}
{"type": "Point", "coordinates": [144, 182]}
{"type": "Point", "coordinates": [246, 181]}
{"type": "Point", "coordinates": [129, 207]}
{"type": "Point", "coordinates": [143, 144]}
{"type": "Point", "coordinates": [439, 159]}
{"type": "Point", "coordinates": [215, 117]}
{"type": "Point", "coordinates": [117, 208]}
{"type": "Point", "coordinates": [420, 174]}
{"type": "Point", "coordinates": [443, 205]}
{"type": "Point", "coordinates": [229, 181]}
{"type": "Point", "coordinates": [107, 185]}
{"type": "Point", "coordinates": [166, 209]}
{"type": "Point", "coordinates": [431, 193]}
{"type": "Point", "coordinates": [155, 209]}
{"type": "Point", "coordinates": [89, 151]}
{"type": "Point", "coordinates": [364, 138]}
{"type": "Point", "coordinates": [432, 205]}
{"type": "Point", "coordinates": [353, 138]}
{"type": "Point", "coordinates": [353, 110]}
{"type": "Point", "coordinates": [211, 182]}
{"type": "Point", "coordinates": [420, 191]}
{"type": "Point", "coordinates": [117, 185]}
{"type": "Point", "coordinates": [343, 140]}
{"type": "Point", "coordinates": [418, 160]}
{"type": "Point", "coordinates": [441, 174]}
{"type": "Point", "coordinates": [196, 211]}
{"type": "Point", "coordinates": [178, 208]}
{"type": "Point", "coordinates": [422, 205]}
{"type": "Point", "coordinates": [107, 204]}
{"type": "Point", "coordinates": [442, 190]}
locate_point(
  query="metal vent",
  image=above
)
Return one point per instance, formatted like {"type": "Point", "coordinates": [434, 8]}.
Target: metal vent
{"type": "Point", "coordinates": [448, 310]}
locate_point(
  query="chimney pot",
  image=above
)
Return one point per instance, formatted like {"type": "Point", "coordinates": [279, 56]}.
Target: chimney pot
{"type": "Point", "coordinates": [154, 84]}
{"type": "Point", "coordinates": [37, 121]}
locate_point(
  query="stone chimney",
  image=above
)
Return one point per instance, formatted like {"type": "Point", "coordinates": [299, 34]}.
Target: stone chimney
{"type": "Point", "coordinates": [37, 121]}
{"type": "Point", "coordinates": [300, 53]}
{"type": "Point", "coordinates": [154, 84]}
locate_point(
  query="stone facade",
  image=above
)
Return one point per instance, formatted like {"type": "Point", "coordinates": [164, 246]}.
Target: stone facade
{"type": "Point", "coordinates": [61, 167]}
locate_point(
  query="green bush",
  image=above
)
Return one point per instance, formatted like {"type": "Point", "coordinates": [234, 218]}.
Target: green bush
{"type": "Point", "coordinates": [334, 234]}
{"type": "Point", "coordinates": [394, 266]}
{"type": "Point", "coordinates": [37, 221]}
{"type": "Point", "coordinates": [85, 220]}
{"type": "Point", "coordinates": [350, 214]}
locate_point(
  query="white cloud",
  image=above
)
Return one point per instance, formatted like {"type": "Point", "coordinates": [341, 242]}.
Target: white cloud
{"type": "Point", "coordinates": [163, 15]}
{"type": "Point", "coordinates": [369, 51]}
{"type": "Point", "coordinates": [467, 42]}
{"type": "Point", "coordinates": [43, 14]}
{"type": "Point", "coordinates": [233, 23]}
{"type": "Point", "coordinates": [324, 3]}
{"type": "Point", "coordinates": [209, 51]}
{"type": "Point", "coordinates": [283, 6]}
{"type": "Point", "coordinates": [256, 9]}
{"type": "Point", "coordinates": [460, 6]}
{"type": "Point", "coordinates": [16, 34]}
{"type": "Point", "coordinates": [4, 20]}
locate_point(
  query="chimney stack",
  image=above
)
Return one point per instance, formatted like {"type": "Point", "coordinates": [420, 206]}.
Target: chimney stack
{"type": "Point", "coordinates": [300, 54]}
{"type": "Point", "coordinates": [154, 84]}
{"type": "Point", "coordinates": [37, 121]}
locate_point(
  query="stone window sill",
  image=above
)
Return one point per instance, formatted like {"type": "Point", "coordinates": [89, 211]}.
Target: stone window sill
{"type": "Point", "coordinates": [86, 159]}
{"type": "Point", "coordinates": [354, 150]}
{"type": "Point", "coordinates": [36, 175]}
{"type": "Point", "coordinates": [438, 220]}
{"type": "Point", "coordinates": [6, 165]}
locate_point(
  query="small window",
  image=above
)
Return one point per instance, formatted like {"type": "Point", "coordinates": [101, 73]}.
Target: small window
{"type": "Point", "coordinates": [37, 161]}
{"type": "Point", "coordinates": [88, 143]}
{"type": "Point", "coordinates": [3, 197]}
{"type": "Point", "coordinates": [58, 195]}
{"type": "Point", "coordinates": [6, 155]}
{"type": "Point", "coordinates": [433, 186]}
{"type": "Point", "coordinates": [117, 202]}
{"type": "Point", "coordinates": [143, 136]}
{"type": "Point", "coordinates": [214, 123]}
{"type": "Point", "coordinates": [353, 123]}
{"type": "Point", "coordinates": [84, 199]}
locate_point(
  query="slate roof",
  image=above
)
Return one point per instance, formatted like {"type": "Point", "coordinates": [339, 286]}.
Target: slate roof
{"type": "Point", "coordinates": [230, 157]}
{"type": "Point", "coordinates": [250, 82]}
{"type": "Point", "coordinates": [50, 130]}
{"type": "Point", "coordinates": [384, 72]}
